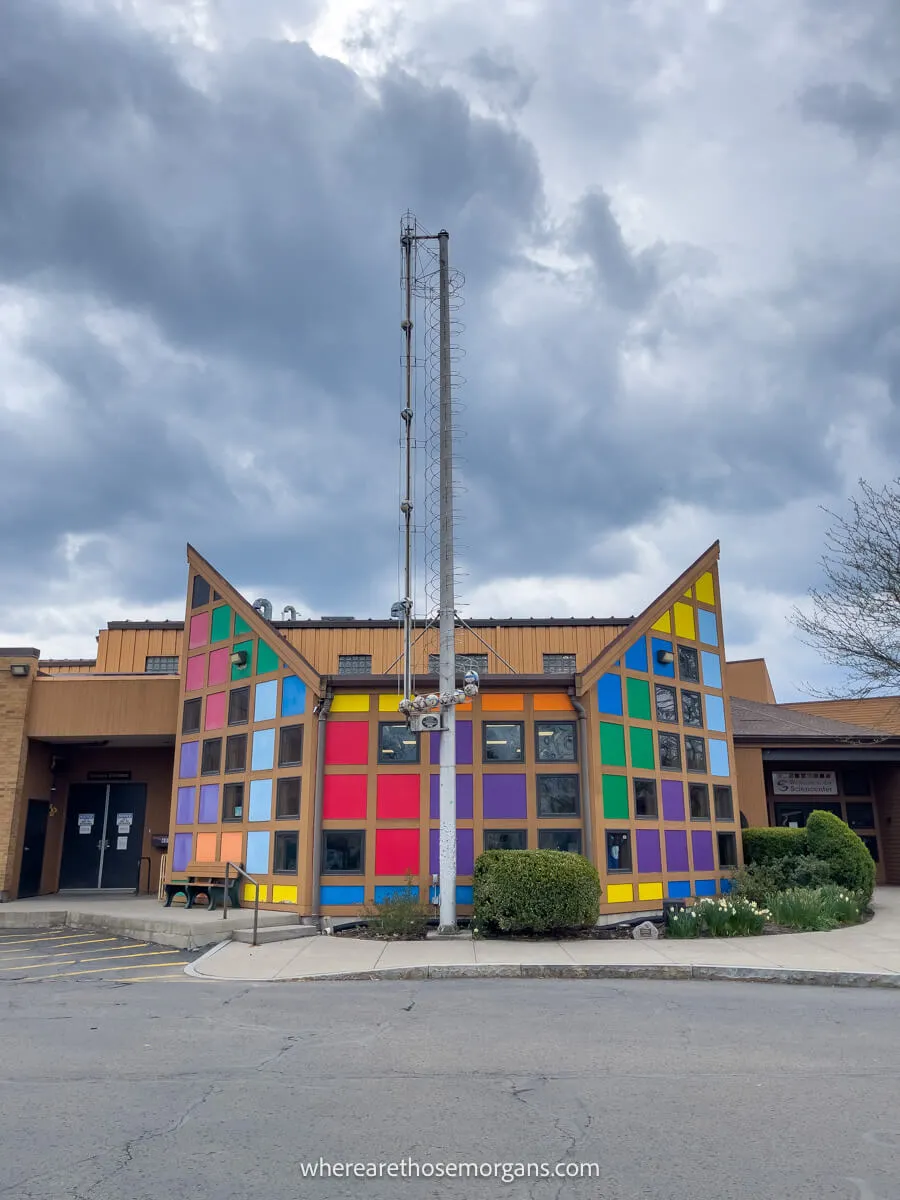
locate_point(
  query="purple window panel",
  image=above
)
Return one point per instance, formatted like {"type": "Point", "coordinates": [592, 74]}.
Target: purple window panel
{"type": "Point", "coordinates": [209, 803]}
{"type": "Point", "coordinates": [504, 797]}
{"type": "Point", "coordinates": [676, 850]}
{"type": "Point", "coordinates": [463, 745]}
{"type": "Point", "coordinates": [465, 851]}
{"type": "Point", "coordinates": [464, 792]}
{"type": "Point", "coordinates": [181, 852]}
{"type": "Point", "coordinates": [184, 809]}
{"type": "Point", "coordinates": [648, 856]}
{"type": "Point", "coordinates": [673, 800]}
{"type": "Point", "coordinates": [190, 757]}
{"type": "Point", "coordinates": [701, 841]}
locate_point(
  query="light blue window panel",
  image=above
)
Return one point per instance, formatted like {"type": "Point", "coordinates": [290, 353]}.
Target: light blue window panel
{"type": "Point", "coordinates": [712, 669]}
{"type": "Point", "coordinates": [257, 853]}
{"type": "Point", "coordinates": [340, 893]}
{"type": "Point", "coordinates": [715, 714]}
{"type": "Point", "coordinates": [636, 656]}
{"type": "Point", "coordinates": [293, 696]}
{"type": "Point", "coordinates": [387, 892]}
{"type": "Point", "coordinates": [465, 894]}
{"type": "Point", "coordinates": [266, 700]}
{"type": "Point", "coordinates": [705, 887]}
{"type": "Point", "coordinates": [260, 800]}
{"type": "Point", "coordinates": [263, 756]}
{"type": "Point", "coordinates": [667, 669]}
{"type": "Point", "coordinates": [609, 694]}
{"type": "Point", "coordinates": [679, 889]}
{"type": "Point", "coordinates": [726, 886]}
{"type": "Point", "coordinates": [708, 627]}
{"type": "Point", "coordinates": [718, 757]}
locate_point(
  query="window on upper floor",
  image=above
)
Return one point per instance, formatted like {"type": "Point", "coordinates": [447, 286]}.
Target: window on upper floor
{"type": "Point", "coordinates": [464, 662]}
{"type": "Point", "coordinates": [559, 664]}
{"type": "Point", "coordinates": [354, 664]}
{"type": "Point", "coordinates": [161, 664]}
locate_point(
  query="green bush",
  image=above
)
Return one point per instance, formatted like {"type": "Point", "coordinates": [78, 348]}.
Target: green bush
{"type": "Point", "coordinates": [816, 909]}
{"type": "Point", "coordinates": [771, 845]}
{"type": "Point", "coordinates": [534, 891]}
{"type": "Point", "coordinates": [761, 881]}
{"type": "Point", "coordinates": [724, 917]}
{"type": "Point", "coordinates": [402, 916]}
{"type": "Point", "coordinates": [851, 864]}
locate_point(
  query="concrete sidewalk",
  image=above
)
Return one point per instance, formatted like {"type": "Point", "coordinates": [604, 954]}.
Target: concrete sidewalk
{"type": "Point", "coordinates": [865, 955]}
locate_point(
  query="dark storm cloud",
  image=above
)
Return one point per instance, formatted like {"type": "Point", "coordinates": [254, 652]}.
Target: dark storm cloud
{"type": "Point", "coordinates": [629, 280]}
{"type": "Point", "coordinates": [854, 109]}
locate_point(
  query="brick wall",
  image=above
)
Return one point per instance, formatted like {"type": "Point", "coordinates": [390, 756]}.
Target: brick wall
{"type": "Point", "coordinates": [14, 697]}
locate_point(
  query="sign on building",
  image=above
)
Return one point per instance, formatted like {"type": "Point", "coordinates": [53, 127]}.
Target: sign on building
{"type": "Point", "coordinates": [804, 783]}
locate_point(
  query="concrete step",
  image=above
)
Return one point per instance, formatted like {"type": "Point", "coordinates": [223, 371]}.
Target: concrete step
{"type": "Point", "coordinates": [275, 933]}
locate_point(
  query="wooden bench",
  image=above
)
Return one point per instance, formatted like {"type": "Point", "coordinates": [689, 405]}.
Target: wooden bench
{"type": "Point", "coordinates": [206, 879]}
{"type": "Point", "coordinates": [173, 889]}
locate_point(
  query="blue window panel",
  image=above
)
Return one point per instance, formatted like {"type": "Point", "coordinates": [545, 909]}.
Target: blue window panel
{"type": "Point", "coordinates": [679, 889]}
{"type": "Point", "coordinates": [257, 853]}
{"type": "Point", "coordinates": [464, 894]}
{"type": "Point", "coordinates": [386, 892]}
{"type": "Point", "coordinates": [636, 656]}
{"type": "Point", "coordinates": [715, 714]}
{"type": "Point", "coordinates": [705, 887]}
{"type": "Point", "coordinates": [708, 627]}
{"type": "Point", "coordinates": [667, 669]}
{"type": "Point", "coordinates": [609, 694]}
{"type": "Point", "coordinates": [266, 699]}
{"type": "Point", "coordinates": [617, 663]}
{"type": "Point", "coordinates": [260, 801]}
{"type": "Point", "coordinates": [712, 669]}
{"type": "Point", "coordinates": [344, 893]}
{"type": "Point", "coordinates": [718, 758]}
{"type": "Point", "coordinates": [293, 696]}
{"type": "Point", "coordinates": [726, 886]}
{"type": "Point", "coordinates": [263, 756]}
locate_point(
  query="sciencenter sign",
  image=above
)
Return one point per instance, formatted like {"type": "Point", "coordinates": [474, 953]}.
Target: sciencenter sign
{"type": "Point", "coordinates": [804, 783]}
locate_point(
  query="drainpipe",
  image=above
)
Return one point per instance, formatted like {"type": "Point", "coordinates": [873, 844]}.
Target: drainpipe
{"type": "Point", "coordinates": [585, 774]}
{"type": "Point", "coordinates": [323, 710]}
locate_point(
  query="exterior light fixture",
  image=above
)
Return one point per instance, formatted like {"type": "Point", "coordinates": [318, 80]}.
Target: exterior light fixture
{"type": "Point", "coordinates": [239, 659]}
{"type": "Point", "coordinates": [20, 670]}
{"type": "Point", "coordinates": [665, 656]}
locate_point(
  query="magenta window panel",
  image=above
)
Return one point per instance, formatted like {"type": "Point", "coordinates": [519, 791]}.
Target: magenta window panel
{"type": "Point", "coordinates": [190, 757]}
{"type": "Point", "coordinates": [196, 673]}
{"type": "Point", "coordinates": [648, 855]}
{"type": "Point", "coordinates": [464, 797]}
{"type": "Point", "coordinates": [215, 711]}
{"type": "Point", "coordinates": [209, 803]}
{"type": "Point", "coordinates": [465, 851]}
{"type": "Point", "coordinates": [504, 797]}
{"type": "Point", "coordinates": [673, 800]}
{"type": "Point", "coordinates": [199, 635]}
{"type": "Point", "coordinates": [181, 851]}
{"type": "Point", "coordinates": [676, 850]}
{"type": "Point", "coordinates": [184, 809]}
{"type": "Point", "coordinates": [218, 666]}
{"type": "Point", "coordinates": [701, 842]}
{"type": "Point", "coordinates": [463, 745]}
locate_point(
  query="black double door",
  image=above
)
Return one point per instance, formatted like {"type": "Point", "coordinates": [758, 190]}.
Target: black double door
{"type": "Point", "coordinates": [103, 836]}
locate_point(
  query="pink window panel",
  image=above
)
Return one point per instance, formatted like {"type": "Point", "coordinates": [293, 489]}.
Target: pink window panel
{"type": "Point", "coordinates": [199, 630]}
{"type": "Point", "coordinates": [196, 673]}
{"type": "Point", "coordinates": [218, 666]}
{"type": "Point", "coordinates": [215, 711]}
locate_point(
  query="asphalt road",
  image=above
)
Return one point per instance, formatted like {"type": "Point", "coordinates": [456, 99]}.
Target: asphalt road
{"type": "Point", "coordinates": [81, 955]}
{"type": "Point", "coordinates": [680, 1091]}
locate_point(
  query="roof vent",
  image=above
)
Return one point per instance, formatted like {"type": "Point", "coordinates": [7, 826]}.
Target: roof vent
{"type": "Point", "coordinates": [264, 608]}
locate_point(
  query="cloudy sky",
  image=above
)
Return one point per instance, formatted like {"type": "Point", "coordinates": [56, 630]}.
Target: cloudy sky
{"type": "Point", "coordinates": [679, 222]}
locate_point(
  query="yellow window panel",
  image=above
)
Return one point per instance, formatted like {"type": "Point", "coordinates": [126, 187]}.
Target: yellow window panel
{"type": "Point", "coordinates": [250, 892]}
{"type": "Point", "coordinates": [650, 891]}
{"type": "Point", "coordinates": [684, 622]}
{"type": "Point", "coordinates": [282, 894]}
{"type": "Point", "coordinates": [689, 594]}
{"type": "Point", "coordinates": [342, 704]}
{"type": "Point", "coordinates": [620, 893]}
{"type": "Point", "coordinates": [704, 589]}
{"type": "Point", "coordinates": [388, 703]}
{"type": "Point", "coordinates": [664, 624]}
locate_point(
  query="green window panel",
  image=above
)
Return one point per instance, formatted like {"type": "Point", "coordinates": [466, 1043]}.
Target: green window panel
{"type": "Point", "coordinates": [641, 748]}
{"type": "Point", "coordinates": [612, 744]}
{"type": "Point", "coordinates": [221, 624]}
{"type": "Point", "coordinates": [266, 660]}
{"type": "Point", "coordinates": [243, 672]}
{"type": "Point", "coordinates": [615, 798]}
{"type": "Point", "coordinates": [241, 626]}
{"type": "Point", "coordinates": [638, 691]}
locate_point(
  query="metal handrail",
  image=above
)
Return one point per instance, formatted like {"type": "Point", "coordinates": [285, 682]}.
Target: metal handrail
{"type": "Point", "coordinates": [240, 870]}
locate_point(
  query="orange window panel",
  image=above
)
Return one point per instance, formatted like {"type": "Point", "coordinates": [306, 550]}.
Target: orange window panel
{"type": "Point", "coordinates": [552, 702]}
{"type": "Point", "coordinates": [502, 703]}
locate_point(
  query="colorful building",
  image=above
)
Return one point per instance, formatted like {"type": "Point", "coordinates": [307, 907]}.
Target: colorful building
{"type": "Point", "coordinates": [278, 745]}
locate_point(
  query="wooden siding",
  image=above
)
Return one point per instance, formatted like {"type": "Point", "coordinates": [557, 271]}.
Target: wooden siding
{"type": "Point", "coordinates": [748, 767]}
{"type": "Point", "coordinates": [748, 679]}
{"type": "Point", "coordinates": [125, 651]}
{"type": "Point", "coordinates": [73, 706]}
{"type": "Point", "coordinates": [877, 712]}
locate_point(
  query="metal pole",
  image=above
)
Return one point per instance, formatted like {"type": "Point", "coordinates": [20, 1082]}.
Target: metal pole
{"type": "Point", "coordinates": [407, 506]}
{"type": "Point", "coordinates": [447, 606]}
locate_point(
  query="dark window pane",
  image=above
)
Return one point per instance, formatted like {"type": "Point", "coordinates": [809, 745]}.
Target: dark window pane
{"type": "Point", "coordinates": [724, 803]}
{"type": "Point", "coordinates": [645, 799]}
{"type": "Point", "coordinates": [343, 851]}
{"type": "Point", "coordinates": [793, 814]}
{"type": "Point", "coordinates": [688, 664]}
{"type": "Point", "coordinates": [287, 798]}
{"type": "Point", "coordinates": [669, 752]}
{"type": "Point", "coordinates": [692, 709]}
{"type": "Point", "coordinates": [695, 753]}
{"type": "Point", "coordinates": [506, 839]}
{"type": "Point", "coordinates": [503, 741]}
{"type": "Point", "coordinates": [211, 761]}
{"type": "Point", "coordinates": [699, 801]}
{"type": "Point", "coordinates": [666, 707]}
{"type": "Point", "coordinates": [555, 741]}
{"type": "Point", "coordinates": [567, 840]}
{"type": "Point", "coordinates": [290, 745]}
{"type": "Point", "coordinates": [161, 664]}
{"type": "Point", "coordinates": [871, 844]}
{"type": "Point", "coordinates": [199, 592]}
{"type": "Point", "coordinates": [236, 752]}
{"type": "Point", "coordinates": [233, 802]}
{"type": "Point", "coordinates": [397, 744]}
{"type": "Point", "coordinates": [861, 815]}
{"type": "Point", "coordinates": [727, 850]}
{"type": "Point", "coordinates": [464, 662]}
{"type": "Point", "coordinates": [559, 664]}
{"type": "Point", "coordinates": [618, 850]}
{"type": "Point", "coordinates": [855, 783]}
{"type": "Point", "coordinates": [190, 716]}
{"type": "Point", "coordinates": [557, 796]}
{"type": "Point", "coordinates": [238, 706]}
{"type": "Point", "coordinates": [354, 664]}
{"type": "Point", "coordinates": [286, 843]}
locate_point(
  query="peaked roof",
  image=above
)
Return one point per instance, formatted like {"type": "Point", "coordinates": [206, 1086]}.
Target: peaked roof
{"type": "Point", "coordinates": [647, 618]}
{"type": "Point", "coordinates": [260, 626]}
{"type": "Point", "coordinates": [750, 719]}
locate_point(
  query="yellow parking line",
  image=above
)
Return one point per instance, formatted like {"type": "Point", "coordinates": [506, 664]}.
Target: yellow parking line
{"type": "Point", "coordinates": [99, 949]}
{"type": "Point", "coordinates": [56, 937]}
{"type": "Point", "coordinates": [64, 942]}
{"type": "Point", "coordinates": [109, 958]}
{"type": "Point", "coordinates": [106, 970]}
{"type": "Point", "coordinates": [26, 967]}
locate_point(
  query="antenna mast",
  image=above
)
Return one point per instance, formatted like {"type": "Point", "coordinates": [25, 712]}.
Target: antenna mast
{"type": "Point", "coordinates": [407, 242]}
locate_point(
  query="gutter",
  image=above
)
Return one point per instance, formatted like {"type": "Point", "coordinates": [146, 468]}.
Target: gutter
{"type": "Point", "coordinates": [323, 710]}
{"type": "Point", "coordinates": [586, 800]}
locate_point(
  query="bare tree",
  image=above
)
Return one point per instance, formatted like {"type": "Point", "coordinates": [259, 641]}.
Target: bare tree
{"type": "Point", "coordinates": [854, 620]}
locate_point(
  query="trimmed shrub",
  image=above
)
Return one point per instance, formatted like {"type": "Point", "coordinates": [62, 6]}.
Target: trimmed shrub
{"type": "Point", "coordinates": [760, 881]}
{"type": "Point", "coordinates": [771, 845]}
{"type": "Point", "coordinates": [534, 891]}
{"type": "Point", "coordinates": [850, 863]}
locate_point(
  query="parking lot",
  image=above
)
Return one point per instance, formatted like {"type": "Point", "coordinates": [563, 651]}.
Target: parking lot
{"type": "Point", "coordinates": [31, 956]}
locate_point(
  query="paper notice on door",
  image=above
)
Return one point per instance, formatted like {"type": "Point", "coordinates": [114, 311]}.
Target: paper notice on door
{"type": "Point", "coordinates": [85, 818]}
{"type": "Point", "coordinates": [125, 818]}
{"type": "Point", "coordinates": [122, 843]}
{"type": "Point", "coordinates": [84, 829]}
{"type": "Point", "coordinates": [126, 829]}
